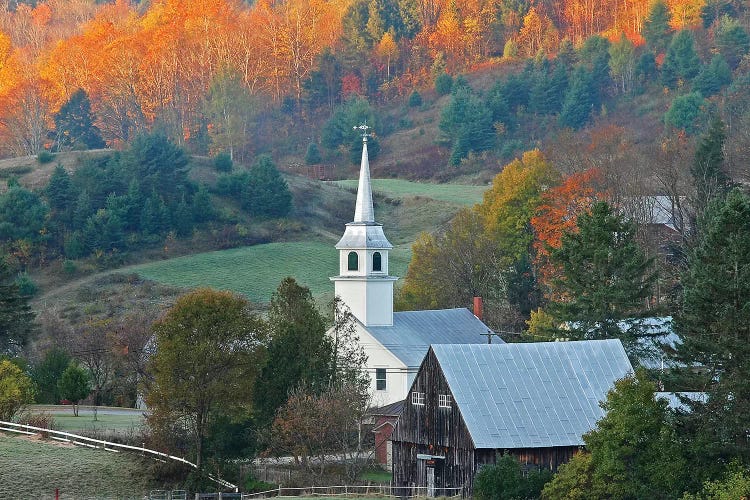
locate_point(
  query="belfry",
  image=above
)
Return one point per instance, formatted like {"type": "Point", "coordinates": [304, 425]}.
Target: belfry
{"type": "Point", "coordinates": [363, 283]}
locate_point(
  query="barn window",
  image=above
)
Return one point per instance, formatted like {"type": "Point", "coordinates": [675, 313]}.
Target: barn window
{"type": "Point", "coordinates": [380, 379]}
{"type": "Point", "coordinates": [444, 400]}
{"type": "Point", "coordinates": [417, 398]}
{"type": "Point", "coordinates": [353, 261]}
{"type": "Point", "coordinates": [377, 262]}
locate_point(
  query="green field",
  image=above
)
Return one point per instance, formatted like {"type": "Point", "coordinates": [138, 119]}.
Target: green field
{"type": "Point", "coordinates": [33, 469]}
{"type": "Point", "coordinates": [125, 420]}
{"type": "Point", "coordinates": [459, 194]}
{"type": "Point", "coordinates": [256, 271]}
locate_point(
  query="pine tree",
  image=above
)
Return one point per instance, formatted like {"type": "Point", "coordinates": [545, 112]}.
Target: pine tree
{"type": "Point", "coordinates": [605, 278]}
{"type": "Point", "coordinates": [298, 353]}
{"type": "Point", "coordinates": [656, 28]}
{"type": "Point", "coordinates": [16, 316]}
{"type": "Point", "coordinates": [75, 124]}
{"type": "Point", "coordinates": [713, 77]}
{"type": "Point", "coordinates": [709, 178]}
{"type": "Point", "coordinates": [267, 193]}
{"type": "Point", "coordinates": [61, 196]}
{"type": "Point", "coordinates": [579, 101]}
{"type": "Point", "coordinates": [681, 62]}
{"type": "Point", "coordinates": [714, 326]}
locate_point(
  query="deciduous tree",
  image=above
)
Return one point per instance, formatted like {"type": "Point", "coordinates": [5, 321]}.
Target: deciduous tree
{"type": "Point", "coordinates": [210, 348]}
{"type": "Point", "coordinates": [16, 389]}
{"type": "Point", "coordinates": [74, 385]}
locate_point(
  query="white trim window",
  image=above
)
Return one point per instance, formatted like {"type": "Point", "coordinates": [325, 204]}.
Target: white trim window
{"type": "Point", "coordinates": [380, 379]}
{"type": "Point", "coordinates": [444, 400]}
{"type": "Point", "coordinates": [417, 398]}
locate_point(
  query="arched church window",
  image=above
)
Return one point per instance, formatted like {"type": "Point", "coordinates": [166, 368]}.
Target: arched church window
{"type": "Point", "coordinates": [353, 261]}
{"type": "Point", "coordinates": [377, 262]}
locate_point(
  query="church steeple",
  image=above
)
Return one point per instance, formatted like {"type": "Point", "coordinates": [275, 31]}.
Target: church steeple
{"type": "Point", "coordinates": [363, 282]}
{"type": "Point", "coordinates": [363, 210]}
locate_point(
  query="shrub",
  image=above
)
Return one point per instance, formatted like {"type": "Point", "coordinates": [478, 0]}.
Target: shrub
{"type": "Point", "coordinates": [415, 99]}
{"type": "Point", "coordinates": [443, 83]}
{"type": "Point", "coordinates": [223, 162]}
{"type": "Point", "coordinates": [312, 157]}
{"type": "Point", "coordinates": [26, 286]}
{"type": "Point", "coordinates": [44, 157]}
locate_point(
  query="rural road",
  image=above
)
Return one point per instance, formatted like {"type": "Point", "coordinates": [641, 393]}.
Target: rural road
{"type": "Point", "coordinates": [86, 410]}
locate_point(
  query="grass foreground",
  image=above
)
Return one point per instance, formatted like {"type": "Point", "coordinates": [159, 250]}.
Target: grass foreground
{"type": "Point", "coordinates": [33, 468]}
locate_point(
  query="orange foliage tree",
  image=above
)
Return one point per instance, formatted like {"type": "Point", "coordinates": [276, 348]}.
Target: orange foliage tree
{"type": "Point", "coordinates": [557, 213]}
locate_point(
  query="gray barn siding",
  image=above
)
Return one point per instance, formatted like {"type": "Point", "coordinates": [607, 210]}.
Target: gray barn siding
{"type": "Point", "coordinates": [432, 430]}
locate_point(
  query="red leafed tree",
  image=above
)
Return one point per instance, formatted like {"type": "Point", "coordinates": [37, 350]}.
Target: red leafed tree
{"type": "Point", "coordinates": [557, 213]}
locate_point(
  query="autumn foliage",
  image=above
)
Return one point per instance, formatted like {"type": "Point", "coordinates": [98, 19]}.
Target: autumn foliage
{"type": "Point", "coordinates": [142, 67]}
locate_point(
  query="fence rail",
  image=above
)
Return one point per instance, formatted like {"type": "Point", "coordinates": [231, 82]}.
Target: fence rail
{"type": "Point", "coordinates": [105, 445]}
{"type": "Point", "coordinates": [378, 490]}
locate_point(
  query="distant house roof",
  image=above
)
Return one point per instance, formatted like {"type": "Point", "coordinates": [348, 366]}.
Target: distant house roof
{"type": "Point", "coordinates": [390, 410]}
{"type": "Point", "coordinates": [413, 331]}
{"type": "Point", "coordinates": [534, 395]}
{"type": "Point", "coordinates": [675, 399]}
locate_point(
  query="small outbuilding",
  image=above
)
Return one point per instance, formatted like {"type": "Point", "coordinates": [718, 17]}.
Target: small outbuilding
{"type": "Point", "coordinates": [469, 403]}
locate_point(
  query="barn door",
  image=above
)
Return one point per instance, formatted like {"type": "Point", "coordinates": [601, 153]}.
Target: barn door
{"type": "Point", "coordinates": [430, 481]}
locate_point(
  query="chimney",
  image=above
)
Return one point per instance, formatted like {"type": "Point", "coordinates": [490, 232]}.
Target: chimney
{"type": "Point", "coordinates": [478, 308]}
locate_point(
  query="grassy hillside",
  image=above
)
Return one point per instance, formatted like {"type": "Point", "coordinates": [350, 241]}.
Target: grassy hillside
{"type": "Point", "coordinates": [30, 468]}
{"type": "Point", "coordinates": [256, 271]}
{"type": "Point", "coordinates": [460, 194]}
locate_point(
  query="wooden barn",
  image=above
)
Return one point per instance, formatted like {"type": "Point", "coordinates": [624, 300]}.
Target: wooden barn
{"type": "Point", "coordinates": [470, 402]}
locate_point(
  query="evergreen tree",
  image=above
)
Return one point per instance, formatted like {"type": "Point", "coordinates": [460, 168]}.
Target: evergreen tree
{"type": "Point", "coordinates": [707, 171]}
{"type": "Point", "coordinates": [713, 77]}
{"type": "Point", "coordinates": [681, 62]}
{"type": "Point", "coordinates": [656, 28]}
{"type": "Point", "coordinates": [605, 278]}
{"type": "Point", "coordinates": [46, 374]}
{"type": "Point", "coordinates": [579, 101]}
{"type": "Point", "coordinates": [16, 316]}
{"type": "Point", "coordinates": [731, 40]}
{"type": "Point", "coordinates": [23, 215]}
{"type": "Point", "coordinates": [298, 353]}
{"type": "Point", "coordinates": [714, 326]}
{"type": "Point", "coordinates": [61, 196]}
{"type": "Point", "coordinates": [158, 164]}
{"type": "Point", "coordinates": [203, 209]}
{"type": "Point", "coordinates": [645, 69]}
{"type": "Point", "coordinates": [468, 122]}
{"type": "Point", "coordinates": [74, 124]}
{"type": "Point", "coordinates": [685, 111]}
{"type": "Point", "coordinates": [312, 157]}
{"type": "Point", "coordinates": [267, 192]}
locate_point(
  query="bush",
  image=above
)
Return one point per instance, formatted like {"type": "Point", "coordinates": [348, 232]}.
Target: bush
{"type": "Point", "coordinates": [223, 162]}
{"type": "Point", "coordinates": [505, 479]}
{"type": "Point", "coordinates": [312, 157]}
{"type": "Point", "coordinates": [26, 286]}
{"type": "Point", "coordinates": [685, 111]}
{"type": "Point", "coordinates": [45, 157]}
{"type": "Point", "coordinates": [253, 485]}
{"type": "Point", "coordinates": [443, 83]}
{"type": "Point", "coordinates": [415, 99]}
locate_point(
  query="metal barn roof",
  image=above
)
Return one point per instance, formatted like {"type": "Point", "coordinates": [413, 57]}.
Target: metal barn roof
{"type": "Point", "coordinates": [413, 331]}
{"type": "Point", "coordinates": [533, 395]}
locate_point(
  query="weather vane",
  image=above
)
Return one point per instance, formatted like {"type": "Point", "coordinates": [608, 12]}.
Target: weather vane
{"type": "Point", "coordinates": [364, 128]}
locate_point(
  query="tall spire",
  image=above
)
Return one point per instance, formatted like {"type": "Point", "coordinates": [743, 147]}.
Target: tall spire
{"type": "Point", "coordinates": [364, 211]}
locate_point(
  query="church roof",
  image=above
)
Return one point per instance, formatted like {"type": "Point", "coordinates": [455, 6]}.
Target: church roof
{"type": "Point", "coordinates": [413, 331]}
{"type": "Point", "coordinates": [533, 395]}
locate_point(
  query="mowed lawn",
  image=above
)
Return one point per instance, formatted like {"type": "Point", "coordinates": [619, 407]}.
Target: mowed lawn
{"type": "Point", "coordinates": [256, 271]}
{"type": "Point", "coordinates": [108, 419]}
{"type": "Point", "coordinates": [31, 468]}
{"type": "Point", "coordinates": [459, 194]}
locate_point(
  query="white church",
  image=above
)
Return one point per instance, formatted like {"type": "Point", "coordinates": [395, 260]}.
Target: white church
{"type": "Point", "coordinates": [395, 342]}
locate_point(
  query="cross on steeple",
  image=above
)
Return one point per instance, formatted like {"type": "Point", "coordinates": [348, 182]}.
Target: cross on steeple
{"type": "Point", "coordinates": [364, 128]}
